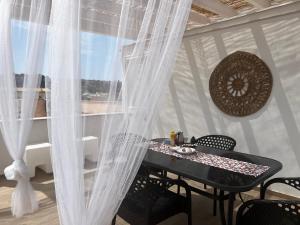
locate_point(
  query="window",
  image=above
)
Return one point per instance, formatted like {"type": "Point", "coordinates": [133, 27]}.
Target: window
{"type": "Point", "coordinates": [101, 71]}
{"type": "Point", "coordinates": [102, 74]}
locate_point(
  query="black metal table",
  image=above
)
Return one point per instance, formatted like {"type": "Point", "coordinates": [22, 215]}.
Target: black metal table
{"type": "Point", "coordinates": [222, 179]}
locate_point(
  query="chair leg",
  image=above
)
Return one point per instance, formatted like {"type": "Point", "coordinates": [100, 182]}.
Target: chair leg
{"type": "Point", "coordinates": [114, 221]}
{"type": "Point", "coordinates": [215, 202]}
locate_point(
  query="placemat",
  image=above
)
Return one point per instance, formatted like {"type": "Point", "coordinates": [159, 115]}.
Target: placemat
{"type": "Point", "coordinates": [233, 165]}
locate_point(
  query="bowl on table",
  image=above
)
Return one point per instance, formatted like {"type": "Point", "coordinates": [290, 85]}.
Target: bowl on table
{"type": "Point", "coordinates": [189, 145]}
{"type": "Point", "coordinates": [184, 150]}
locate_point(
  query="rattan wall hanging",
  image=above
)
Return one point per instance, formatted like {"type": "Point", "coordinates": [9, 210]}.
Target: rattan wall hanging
{"type": "Point", "coordinates": [241, 84]}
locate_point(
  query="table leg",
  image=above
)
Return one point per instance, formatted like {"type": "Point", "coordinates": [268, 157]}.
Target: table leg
{"type": "Point", "coordinates": [261, 191]}
{"type": "Point", "coordinates": [178, 187]}
{"type": "Point", "coordinates": [215, 202]}
{"type": "Point", "coordinates": [230, 208]}
{"type": "Point", "coordinates": [221, 208]}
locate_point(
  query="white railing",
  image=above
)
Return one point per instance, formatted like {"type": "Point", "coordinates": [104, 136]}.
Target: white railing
{"type": "Point", "coordinates": [39, 133]}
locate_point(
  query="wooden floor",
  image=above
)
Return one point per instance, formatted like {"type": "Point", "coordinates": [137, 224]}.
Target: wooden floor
{"type": "Point", "coordinates": [47, 214]}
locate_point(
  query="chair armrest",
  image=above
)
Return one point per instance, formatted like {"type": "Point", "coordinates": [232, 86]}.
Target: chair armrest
{"type": "Point", "coordinates": [180, 183]}
{"type": "Point", "coordinates": [290, 181]}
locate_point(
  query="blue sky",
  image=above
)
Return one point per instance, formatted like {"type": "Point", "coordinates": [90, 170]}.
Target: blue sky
{"type": "Point", "coordinates": [96, 51]}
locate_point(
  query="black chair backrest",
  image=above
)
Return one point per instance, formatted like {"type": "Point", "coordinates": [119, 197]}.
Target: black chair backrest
{"type": "Point", "coordinates": [221, 142]}
{"type": "Point", "coordinates": [290, 181]}
{"type": "Point", "coordinates": [148, 189]}
{"type": "Point", "coordinates": [128, 138]}
{"type": "Point", "coordinates": [143, 182]}
{"type": "Point", "coordinates": [274, 212]}
{"type": "Point", "coordinates": [269, 212]}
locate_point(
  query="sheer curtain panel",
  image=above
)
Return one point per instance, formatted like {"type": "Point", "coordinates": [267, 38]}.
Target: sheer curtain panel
{"type": "Point", "coordinates": [22, 36]}
{"type": "Point", "coordinates": [109, 65]}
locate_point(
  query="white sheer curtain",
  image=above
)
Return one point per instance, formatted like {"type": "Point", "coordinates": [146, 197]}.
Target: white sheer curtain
{"type": "Point", "coordinates": [26, 26]}
{"type": "Point", "coordinates": [115, 57]}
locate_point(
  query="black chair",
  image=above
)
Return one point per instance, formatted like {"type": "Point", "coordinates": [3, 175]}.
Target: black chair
{"type": "Point", "coordinates": [275, 212]}
{"type": "Point", "coordinates": [220, 142]}
{"type": "Point", "coordinates": [133, 139]}
{"type": "Point", "coordinates": [149, 201]}
{"type": "Point", "coordinates": [128, 139]}
{"type": "Point", "coordinates": [269, 212]}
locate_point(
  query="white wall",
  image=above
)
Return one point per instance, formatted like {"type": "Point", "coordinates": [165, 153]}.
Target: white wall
{"type": "Point", "coordinates": [274, 130]}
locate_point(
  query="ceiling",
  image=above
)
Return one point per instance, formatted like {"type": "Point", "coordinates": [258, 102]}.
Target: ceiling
{"type": "Point", "coordinates": [204, 12]}
{"type": "Point", "coordinates": [100, 15]}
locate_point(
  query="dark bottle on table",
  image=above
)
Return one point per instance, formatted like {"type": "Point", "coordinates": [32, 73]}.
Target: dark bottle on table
{"type": "Point", "coordinates": [179, 138]}
{"type": "Point", "coordinates": [193, 140]}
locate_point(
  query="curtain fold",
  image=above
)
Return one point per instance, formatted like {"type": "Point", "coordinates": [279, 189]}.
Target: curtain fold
{"type": "Point", "coordinates": [113, 57]}
{"type": "Point", "coordinates": [18, 98]}
{"type": "Point", "coordinates": [64, 110]}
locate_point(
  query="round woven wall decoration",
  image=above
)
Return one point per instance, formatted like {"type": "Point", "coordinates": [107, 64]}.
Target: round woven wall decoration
{"type": "Point", "coordinates": [241, 84]}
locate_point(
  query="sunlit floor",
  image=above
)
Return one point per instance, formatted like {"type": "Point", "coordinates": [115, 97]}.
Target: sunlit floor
{"type": "Point", "coordinates": [47, 214]}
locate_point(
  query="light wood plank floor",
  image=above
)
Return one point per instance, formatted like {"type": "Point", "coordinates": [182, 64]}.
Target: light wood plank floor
{"type": "Point", "coordinates": [47, 214]}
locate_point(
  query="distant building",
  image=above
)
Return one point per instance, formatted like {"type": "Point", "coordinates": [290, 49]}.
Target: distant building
{"type": "Point", "coordinates": [40, 98]}
{"type": "Point", "coordinates": [40, 95]}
